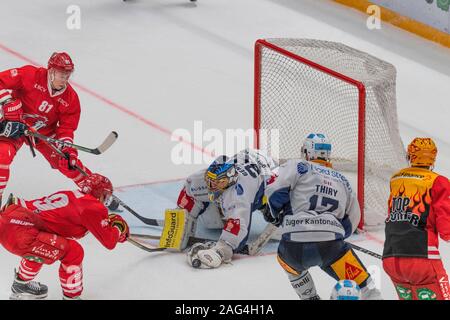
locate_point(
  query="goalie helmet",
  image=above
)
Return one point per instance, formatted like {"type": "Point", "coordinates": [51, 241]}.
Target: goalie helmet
{"type": "Point", "coordinates": [97, 186]}
{"type": "Point", "coordinates": [422, 152]}
{"type": "Point", "coordinates": [316, 147]}
{"type": "Point", "coordinates": [220, 175]}
{"type": "Point", "coordinates": [346, 290]}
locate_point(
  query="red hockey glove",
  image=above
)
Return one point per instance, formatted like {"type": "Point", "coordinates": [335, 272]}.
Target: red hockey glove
{"type": "Point", "coordinates": [118, 222]}
{"type": "Point", "coordinates": [12, 110]}
{"type": "Point", "coordinates": [71, 158]}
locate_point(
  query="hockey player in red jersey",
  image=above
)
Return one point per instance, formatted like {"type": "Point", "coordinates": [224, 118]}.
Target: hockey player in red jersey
{"type": "Point", "coordinates": [42, 231]}
{"type": "Point", "coordinates": [40, 98]}
{"type": "Point", "coordinates": [419, 212]}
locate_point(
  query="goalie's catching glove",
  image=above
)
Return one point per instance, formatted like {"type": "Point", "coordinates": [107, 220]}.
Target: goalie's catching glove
{"type": "Point", "coordinates": [118, 222]}
{"type": "Point", "coordinates": [209, 255]}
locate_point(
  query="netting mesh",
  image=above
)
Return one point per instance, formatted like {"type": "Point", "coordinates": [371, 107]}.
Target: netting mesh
{"type": "Point", "coordinates": [296, 99]}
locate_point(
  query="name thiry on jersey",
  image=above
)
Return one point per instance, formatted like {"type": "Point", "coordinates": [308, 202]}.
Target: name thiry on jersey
{"type": "Point", "coordinates": [326, 190]}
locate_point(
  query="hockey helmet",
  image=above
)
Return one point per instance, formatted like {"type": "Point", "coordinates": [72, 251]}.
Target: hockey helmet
{"type": "Point", "coordinates": [220, 175]}
{"type": "Point", "coordinates": [61, 61]}
{"type": "Point", "coordinates": [346, 290]}
{"type": "Point", "coordinates": [316, 147]}
{"type": "Point", "coordinates": [422, 152]}
{"type": "Point", "coordinates": [97, 186]}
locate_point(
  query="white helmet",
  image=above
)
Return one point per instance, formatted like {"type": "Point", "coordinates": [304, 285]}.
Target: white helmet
{"type": "Point", "coordinates": [316, 147]}
{"type": "Point", "coordinates": [346, 290]}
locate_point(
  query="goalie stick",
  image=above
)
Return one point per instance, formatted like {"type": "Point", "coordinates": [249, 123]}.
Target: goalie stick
{"type": "Point", "coordinates": [106, 144]}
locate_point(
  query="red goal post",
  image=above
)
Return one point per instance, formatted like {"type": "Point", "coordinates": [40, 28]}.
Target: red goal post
{"type": "Point", "coordinates": [301, 83]}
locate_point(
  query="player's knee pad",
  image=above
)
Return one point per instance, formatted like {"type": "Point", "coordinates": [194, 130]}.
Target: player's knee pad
{"type": "Point", "coordinates": [348, 266]}
{"type": "Point", "coordinates": [74, 254]}
{"type": "Point", "coordinates": [303, 285]}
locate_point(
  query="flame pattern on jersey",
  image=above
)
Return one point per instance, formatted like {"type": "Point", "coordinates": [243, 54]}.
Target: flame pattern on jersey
{"type": "Point", "coordinates": [418, 212]}
{"type": "Point", "coordinates": [409, 203]}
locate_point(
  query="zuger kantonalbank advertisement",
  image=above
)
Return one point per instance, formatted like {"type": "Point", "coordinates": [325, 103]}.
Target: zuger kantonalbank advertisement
{"type": "Point", "coordinates": [435, 13]}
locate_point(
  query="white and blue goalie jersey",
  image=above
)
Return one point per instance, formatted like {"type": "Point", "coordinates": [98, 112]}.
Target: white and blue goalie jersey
{"type": "Point", "coordinates": [238, 202]}
{"type": "Point", "coordinates": [317, 202]}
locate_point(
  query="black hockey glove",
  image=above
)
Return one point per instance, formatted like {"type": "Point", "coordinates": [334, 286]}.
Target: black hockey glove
{"type": "Point", "coordinates": [12, 129]}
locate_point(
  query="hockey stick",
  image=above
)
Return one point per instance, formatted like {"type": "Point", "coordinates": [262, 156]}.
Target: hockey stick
{"type": "Point", "coordinates": [149, 248]}
{"type": "Point", "coordinates": [149, 221]}
{"type": "Point", "coordinates": [366, 251]}
{"type": "Point", "coordinates": [108, 142]}
{"type": "Point", "coordinates": [256, 245]}
{"type": "Point", "coordinates": [144, 247]}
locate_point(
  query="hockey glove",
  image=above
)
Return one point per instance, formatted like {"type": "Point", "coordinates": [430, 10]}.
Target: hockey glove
{"type": "Point", "coordinates": [70, 160]}
{"type": "Point", "coordinates": [11, 109]}
{"type": "Point", "coordinates": [275, 219]}
{"type": "Point", "coordinates": [118, 222]}
{"type": "Point", "coordinates": [12, 129]}
{"type": "Point", "coordinates": [209, 255]}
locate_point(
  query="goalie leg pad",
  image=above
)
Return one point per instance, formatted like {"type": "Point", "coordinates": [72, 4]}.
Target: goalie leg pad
{"type": "Point", "coordinates": [179, 226]}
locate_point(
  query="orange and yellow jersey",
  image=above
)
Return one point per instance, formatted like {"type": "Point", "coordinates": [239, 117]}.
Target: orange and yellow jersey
{"type": "Point", "coordinates": [419, 211]}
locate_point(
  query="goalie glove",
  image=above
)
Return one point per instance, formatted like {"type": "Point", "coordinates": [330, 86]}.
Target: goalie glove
{"type": "Point", "coordinates": [118, 222]}
{"type": "Point", "coordinates": [209, 255]}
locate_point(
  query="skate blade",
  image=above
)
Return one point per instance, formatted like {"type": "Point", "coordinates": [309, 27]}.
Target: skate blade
{"type": "Point", "coordinates": [22, 296]}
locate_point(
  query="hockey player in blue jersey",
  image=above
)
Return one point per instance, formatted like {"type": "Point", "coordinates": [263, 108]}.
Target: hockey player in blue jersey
{"type": "Point", "coordinates": [317, 209]}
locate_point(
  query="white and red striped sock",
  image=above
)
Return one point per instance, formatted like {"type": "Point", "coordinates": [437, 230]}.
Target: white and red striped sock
{"type": "Point", "coordinates": [28, 270]}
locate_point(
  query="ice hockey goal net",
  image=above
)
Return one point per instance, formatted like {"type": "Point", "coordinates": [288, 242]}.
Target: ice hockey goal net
{"type": "Point", "coordinates": [304, 86]}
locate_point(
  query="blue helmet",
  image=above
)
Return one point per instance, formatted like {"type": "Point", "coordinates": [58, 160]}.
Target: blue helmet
{"type": "Point", "coordinates": [220, 175]}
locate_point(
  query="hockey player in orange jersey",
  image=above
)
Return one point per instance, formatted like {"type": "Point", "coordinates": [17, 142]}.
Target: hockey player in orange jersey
{"type": "Point", "coordinates": [419, 211]}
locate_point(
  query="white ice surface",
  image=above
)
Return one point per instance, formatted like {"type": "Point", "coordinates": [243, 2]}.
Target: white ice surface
{"type": "Point", "coordinates": [169, 63]}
